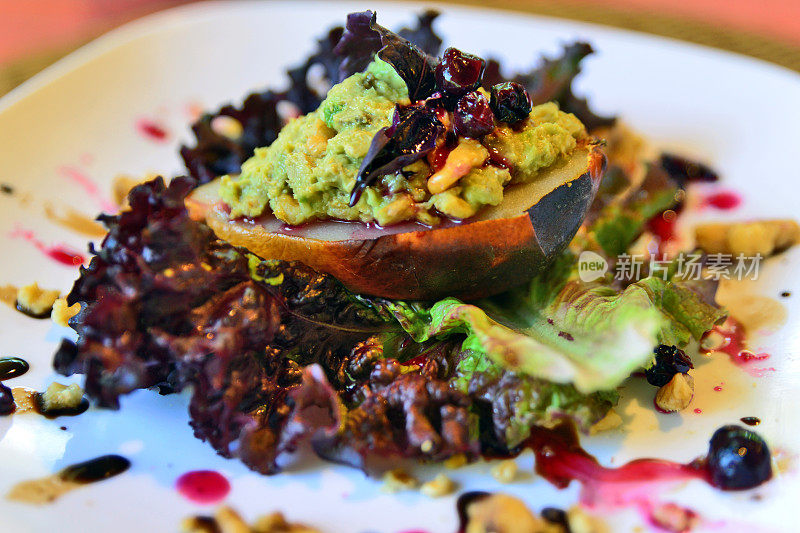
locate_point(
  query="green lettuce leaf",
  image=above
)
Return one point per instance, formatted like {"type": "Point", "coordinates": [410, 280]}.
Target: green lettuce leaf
{"type": "Point", "coordinates": [562, 330]}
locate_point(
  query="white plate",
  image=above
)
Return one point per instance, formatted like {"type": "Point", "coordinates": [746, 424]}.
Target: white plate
{"type": "Point", "coordinates": [738, 113]}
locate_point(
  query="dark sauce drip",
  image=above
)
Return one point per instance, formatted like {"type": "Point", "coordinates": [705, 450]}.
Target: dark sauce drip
{"type": "Point", "coordinates": [27, 312]}
{"type": "Point", "coordinates": [81, 408]}
{"type": "Point", "coordinates": [96, 469]}
{"type": "Point", "coordinates": [785, 294]}
{"type": "Point", "coordinates": [498, 160]}
{"type": "Point", "coordinates": [6, 189]}
{"type": "Point", "coordinates": [439, 157]}
{"type": "Point", "coordinates": [751, 420]}
{"type": "Point", "coordinates": [463, 502]}
{"type": "Point", "coordinates": [12, 367]}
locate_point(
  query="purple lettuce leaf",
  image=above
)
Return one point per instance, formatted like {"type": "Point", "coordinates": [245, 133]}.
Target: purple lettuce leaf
{"type": "Point", "coordinates": [423, 35]}
{"type": "Point", "coordinates": [411, 137]}
{"type": "Point", "coordinates": [551, 81]}
{"type": "Point", "coordinates": [215, 154]}
{"type": "Point", "coordinates": [363, 38]}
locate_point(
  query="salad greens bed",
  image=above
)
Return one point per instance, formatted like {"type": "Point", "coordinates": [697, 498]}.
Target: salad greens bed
{"type": "Point", "coordinates": [275, 352]}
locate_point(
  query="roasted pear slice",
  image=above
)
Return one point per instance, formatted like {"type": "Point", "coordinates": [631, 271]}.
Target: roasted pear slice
{"type": "Point", "coordinates": [500, 247]}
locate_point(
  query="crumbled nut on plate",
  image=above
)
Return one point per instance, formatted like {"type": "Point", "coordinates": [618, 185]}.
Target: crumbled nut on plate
{"type": "Point", "coordinates": [505, 471]}
{"type": "Point", "coordinates": [763, 237]}
{"type": "Point", "coordinates": [63, 312]}
{"type": "Point", "coordinates": [501, 513]}
{"type": "Point", "coordinates": [226, 520]}
{"type": "Point", "coordinates": [398, 480]}
{"type": "Point", "coordinates": [456, 461]}
{"type": "Point", "coordinates": [677, 394]}
{"type": "Point", "coordinates": [35, 300]}
{"type": "Point", "coordinates": [612, 420]}
{"type": "Point", "coordinates": [439, 486]}
{"type": "Point", "coordinates": [581, 522]}
{"type": "Point", "coordinates": [58, 397]}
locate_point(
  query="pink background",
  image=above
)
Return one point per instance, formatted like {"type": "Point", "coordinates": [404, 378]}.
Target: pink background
{"type": "Point", "coordinates": [29, 27]}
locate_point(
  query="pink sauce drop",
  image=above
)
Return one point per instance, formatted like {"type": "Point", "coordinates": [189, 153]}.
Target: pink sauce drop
{"type": "Point", "coordinates": [152, 130]}
{"type": "Point", "coordinates": [698, 411]}
{"type": "Point", "coordinates": [79, 178]}
{"type": "Point", "coordinates": [718, 388]}
{"type": "Point", "coordinates": [60, 253]}
{"type": "Point", "coordinates": [735, 346]}
{"type": "Point", "coordinates": [723, 200]}
{"type": "Point", "coordinates": [203, 486]}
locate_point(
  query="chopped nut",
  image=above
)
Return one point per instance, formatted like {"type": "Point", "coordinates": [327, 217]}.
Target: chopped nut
{"type": "Point", "coordinates": [501, 513]}
{"type": "Point", "coordinates": [441, 485]}
{"type": "Point", "coordinates": [398, 480]}
{"type": "Point", "coordinates": [677, 394]}
{"type": "Point", "coordinates": [713, 340]}
{"type": "Point", "coordinates": [62, 312]}
{"type": "Point", "coordinates": [612, 420]}
{"type": "Point", "coordinates": [671, 517]}
{"type": "Point", "coordinates": [468, 154]}
{"type": "Point", "coordinates": [276, 523]}
{"type": "Point", "coordinates": [229, 521]}
{"type": "Point", "coordinates": [227, 127]}
{"type": "Point", "coordinates": [764, 237]}
{"type": "Point", "coordinates": [122, 185]}
{"type": "Point", "coordinates": [456, 461]}
{"type": "Point", "coordinates": [582, 522]}
{"type": "Point", "coordinates": [58, 397]}
{"type": "Point", "coordinates": [35, 300]}
{"type": "Point", "coordinates": [505, 471]}
{"type": "Point", "coordinates": [198, 524]}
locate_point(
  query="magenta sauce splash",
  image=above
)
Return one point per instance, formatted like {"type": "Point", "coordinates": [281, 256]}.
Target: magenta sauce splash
{"type": "Point", "coordinates": [203, 486]}
{"type": "Point", "coordinates": [151, 130]}
{"type": "Point", "coordinates": [78, 177]}
{"type": "Point", "coordinates": [60, 253]}
{"type": "Point", "coordinates": [560, 459]}
{"type": "Point", "coordinates": [723, 200]}
{"type": "Point", "coordinates": [735, 346]}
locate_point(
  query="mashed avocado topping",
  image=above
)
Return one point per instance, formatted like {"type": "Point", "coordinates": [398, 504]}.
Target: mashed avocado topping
{"type": "Point", "coordinates": [310, 170]}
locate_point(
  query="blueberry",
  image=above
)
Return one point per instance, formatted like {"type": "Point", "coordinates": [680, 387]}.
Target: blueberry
{"type": "Point", "coordinates": [458, 72]}
{"type": "Point", "coordinates": [510, 102]}
{"type": "Point", "coordinates": [7, 405]}
{"type": "Point", "coordinates": [472, 116]}
{"type": "Point", "coordinates": [670, 360]}
{"type": "Point", "coordinates": [738, 458]}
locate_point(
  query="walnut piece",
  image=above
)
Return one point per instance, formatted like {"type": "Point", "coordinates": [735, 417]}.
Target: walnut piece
{"type": "Point", "coordinates": [35, 300]}
{"type": "Point", "coordinates": [61, 397]}
{"type": "Point", "coordinates": [505, 471]}
{"type": "Point", "coordinates": [439, 486]}
{"type": "Point", "coordinates": [764, 237]}
{"type": "Point", "coordinates": [398, 480]}
{"type": "Point", "coordinates": [677, 394]}
{"type": "Point", "coordinates": [612, 420]}
{"type": "Point", "coordinates": [63, 312]}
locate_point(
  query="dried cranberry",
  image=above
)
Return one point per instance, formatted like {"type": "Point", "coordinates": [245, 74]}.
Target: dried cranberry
{"type": "Point", "coordinates": [472, 116]}
{"type": "Point", "coordinates": [7, 405]}
{"type": "Point", "coordinates": [458, 72]}
{"type": "Point", "coordinates": [738, 458]}
{"type": "Point", "coordinates": [670, 360]}
{"type": "Point", "coordinates": [510, 102]}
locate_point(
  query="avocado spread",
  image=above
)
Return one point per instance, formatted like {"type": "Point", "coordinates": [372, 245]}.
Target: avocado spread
{"type": "Point", "coordinates": [309, 171]}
